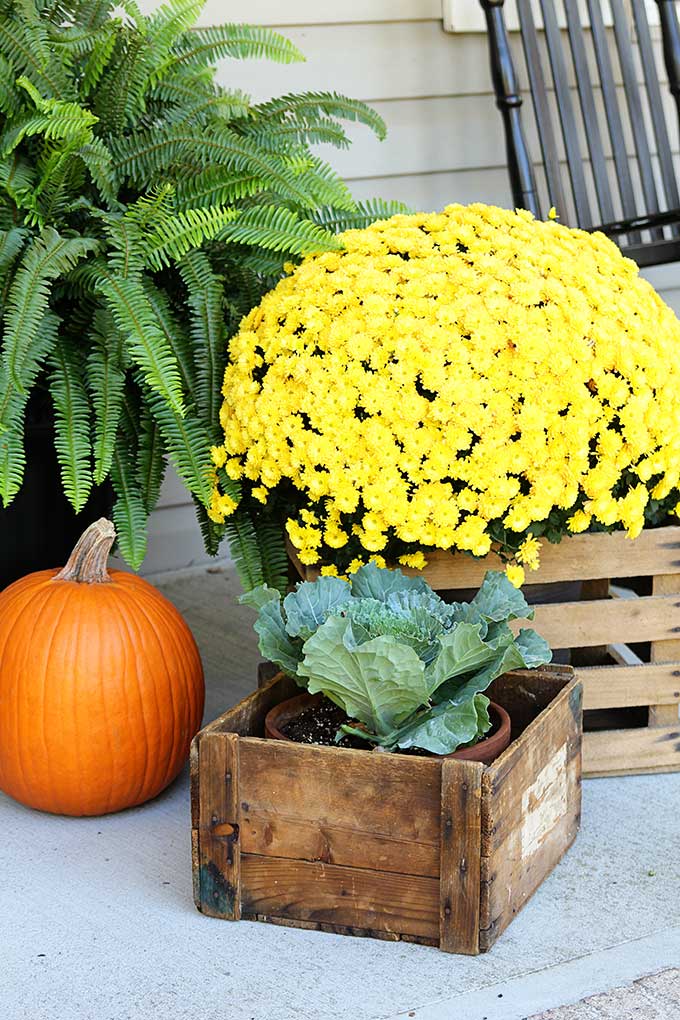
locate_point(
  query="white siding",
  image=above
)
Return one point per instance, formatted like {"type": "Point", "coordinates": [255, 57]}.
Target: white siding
{"type": "Point", "coordinates": [444, 144]}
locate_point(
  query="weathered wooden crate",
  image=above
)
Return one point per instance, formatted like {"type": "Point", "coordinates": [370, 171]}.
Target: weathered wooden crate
{"type": "Point", "coordinates": [436, 851]}
{"type": "Point", "coordinates": [599, 630]}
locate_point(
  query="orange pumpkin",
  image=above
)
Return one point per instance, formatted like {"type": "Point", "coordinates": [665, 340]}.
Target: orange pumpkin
{"type": "Point", "coordinates": [101, 685]}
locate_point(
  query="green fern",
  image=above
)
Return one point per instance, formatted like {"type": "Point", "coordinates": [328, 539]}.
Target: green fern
{"type": "Point", "coordinates": [106, 384]}
{"type": "Point", "coordinates": [308, 107]}
{"type": "Point", "coordinates": [135, 318]}
{"type": "Point", "coordinates": [72, 423]}
{"type": "Point", "coordinates": [279, 229]}
{"type": "Point", "coordinates": [144, 209]}
{"type": "Point", "coordinates": [47, 257]}
{"type": "Point", "coordinates": [206, 45]}
{"type": "Point", "coordinates": [130, 515]}
{"type": "Point", "coordinates": [365, 213]}
{"type": "Point", "coordinates": [150, 460]}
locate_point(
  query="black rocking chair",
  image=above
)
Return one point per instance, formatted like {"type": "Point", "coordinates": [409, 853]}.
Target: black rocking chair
{"type": "Point", "coordinates": [614, 140]}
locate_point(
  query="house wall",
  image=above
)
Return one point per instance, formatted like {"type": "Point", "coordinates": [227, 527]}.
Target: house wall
{"type": "Point", "coordinates": [444, 143]}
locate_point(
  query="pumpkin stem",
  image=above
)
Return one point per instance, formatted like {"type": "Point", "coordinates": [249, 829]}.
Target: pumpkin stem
{"type": "Point", "coordinates": [87, 562]}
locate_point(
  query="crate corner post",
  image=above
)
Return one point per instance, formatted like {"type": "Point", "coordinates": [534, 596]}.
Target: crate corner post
{"type": "Point", "coordinates": [216, 819]}
{"type": "Point", "coordinates": [460, 876]}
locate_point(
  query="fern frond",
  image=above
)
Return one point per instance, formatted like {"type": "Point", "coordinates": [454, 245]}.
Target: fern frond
{"type": "Point", "coordinates": [10, 99]}
{"type": "Point", "coordinates": [167, 25]}
{"type": "Point", "coordinates": [266, 267]}
{"type": "Point", "coordinates": [147, 155]}
{"type": "Point", "coordinates": [279, 229]}
{"type": "Point", "coordinates": [187, 444]}
{"type": "Point", "coordinates": [11, 243]}
{"type": "Point", "coordinates": [321, 182]}
{"type": "Point", "coordinates": [307, 107]}
{"type": "Point", "coordinates": [61, 174]}
{"type": "Point", "coordinates": [18, 179]}
{"type": "Point", "coordinates": [13, 401]}
{"type": "Point", "coordinates": [135, 318]}
{"type": "Point", "coordinates": [324, 130]}
{"type": "Point", "coordinates": [241, 42]}
{"type": "Point", "coordinates": [211, 532]}
{"type": "Point", "coordinates": [129, 512]}
{"type": "Point", "coordinates": [71, 423]}
{"type": "Point", "coordinates": [205, 297]}
{"type": "Point", "coordinates": [27, 50]}
{"type": "Point", "coordinates": [217, 186]}
{"type": "Point", "coordinates": [174, 237]}
{"type": "Point", "coordinates": [98, 58]}
{"type": "Point", "coordinates": [46, 258]}
{"type": "Point", "coordinates": [54, 120]}
{"type": "Point", "coordinates": [150, 460]}
{"type": "Point", "coordinates": [106, 383]}
{"type": "Point", "coordinates": [273, 555]}
{"type": "Point", "coordinates": [12, 464]}
{"type": "Point", "coordinates": [120, 96]}
{"type": "Point", "coordinates": [91, 13]}
{"type": "Point", "coordinates": [97, 159]}
{"type": "Point", "coordinates": [174, 333]}
{"type": "Point", "coordinates": [365, 213]}
{"type": "Point", "coordinates": [245, 550]}
{"type": "Point", "coordinates": [213, 105]}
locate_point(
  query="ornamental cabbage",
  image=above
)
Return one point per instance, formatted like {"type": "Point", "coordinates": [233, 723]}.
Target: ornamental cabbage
{"type": "Point", "coordinates": [408, 667]}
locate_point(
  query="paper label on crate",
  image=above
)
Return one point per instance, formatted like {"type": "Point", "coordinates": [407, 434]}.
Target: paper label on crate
{"type": "Point", "coordinates": [544, 803]}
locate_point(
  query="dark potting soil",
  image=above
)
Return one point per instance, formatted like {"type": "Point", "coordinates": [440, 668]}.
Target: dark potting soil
{"type": "Point", "coordinates": [319, 723]}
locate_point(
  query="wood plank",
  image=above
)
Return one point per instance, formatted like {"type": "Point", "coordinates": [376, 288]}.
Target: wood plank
{"type": "Point", "coordinates": [247, 716]}
{"type": "Point", "coordinates": [330, 894]}
{"type": "Point", "coordinates": [459, 885]}
{"type": "Point", "coordinates": [526, 693]}
{"type": "Point", "coordinates": [531, 802]}
{"type": "Point", "coordinates": [219, 855]}
{"type": "Point", "coordinates": [627, 686]}
{"type": "Point", "coordinates": [661, 714]}
{"type": "Point", "coordinates": [555, 733]}
{"type": "Point", "coordinates": [343, 807]}
{"type": "Point", "coordinates": [577, 558]}
{"type": "Point", "coordinates": [644, 749]}
{"type": "Point", "coordinates": [584, 624]}
{"type": "Point", "coordinates": [333, 929]}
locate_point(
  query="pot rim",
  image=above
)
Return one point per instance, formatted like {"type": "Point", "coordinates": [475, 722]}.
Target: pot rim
{"type": "Point", "coordinates": [491, 747]}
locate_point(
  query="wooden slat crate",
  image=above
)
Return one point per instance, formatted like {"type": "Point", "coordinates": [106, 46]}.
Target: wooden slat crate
{"type": "Point", "coordinates": [600, 629]}
{"type": "Point", "coordinates": [436, 851]}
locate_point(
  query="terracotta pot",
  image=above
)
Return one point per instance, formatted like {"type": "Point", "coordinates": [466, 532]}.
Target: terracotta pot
{"type": "Point", "coordinates": [485, 751]}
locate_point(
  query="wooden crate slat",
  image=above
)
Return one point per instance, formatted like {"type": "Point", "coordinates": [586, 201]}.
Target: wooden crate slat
{"type": "Point", "coordinates": [628, 686]}
{"type": "Point", "coordinates": [551, 736]}
{"type": "Point", "coordinates": [331, 894]}
{"type": "Point", "coordinates": [247, 716]}
{"type": "Point", "coordinates": [461, 810]}
{"type": "Point", "coordinates": [606, 621]}
{"type": "Point", "coordinates": [661, 714]}
{"type": "Point", "coordinates": [577, 558]}
{"type": "Point", "coordinates": [531, 812]}
{"type": "Point", "coordinates": [284, 814]}
{"type": "Point", "coordinates": [640, 749]}
{"type": "Point", "coordinates": [218, 849]}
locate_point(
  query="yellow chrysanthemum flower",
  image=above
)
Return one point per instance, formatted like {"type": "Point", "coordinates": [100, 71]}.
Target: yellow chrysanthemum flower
{"type": "Point", "coordinates": [515, 574]}
{"type": "Point", "coordinates": [450, 375]}
{"type": "Point", "coordinates": [529, 552]}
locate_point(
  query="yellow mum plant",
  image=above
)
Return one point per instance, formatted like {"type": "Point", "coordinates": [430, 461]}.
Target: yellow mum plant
{"type": "Point", "coordinates": [462, 380]}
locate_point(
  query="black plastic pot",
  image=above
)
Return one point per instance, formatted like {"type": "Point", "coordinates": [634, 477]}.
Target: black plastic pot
{"type": "Point", "coordinates": [39, 528]}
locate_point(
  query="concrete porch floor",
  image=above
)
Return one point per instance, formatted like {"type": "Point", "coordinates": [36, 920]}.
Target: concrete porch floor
{"type": "Point", "coordinates": [97, 920]}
